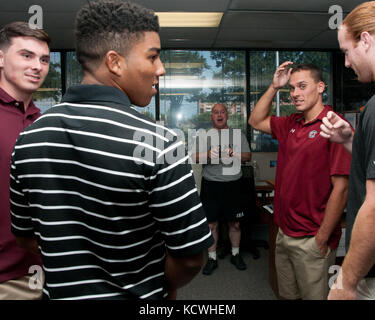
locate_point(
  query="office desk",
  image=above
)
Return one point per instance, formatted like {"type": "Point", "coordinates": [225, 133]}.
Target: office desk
{"type": "Point", "coordinates": [266, 188]}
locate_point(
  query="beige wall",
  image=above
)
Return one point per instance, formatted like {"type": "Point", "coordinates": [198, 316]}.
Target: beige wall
{"type": "Point", "coordinates": [263, 160]}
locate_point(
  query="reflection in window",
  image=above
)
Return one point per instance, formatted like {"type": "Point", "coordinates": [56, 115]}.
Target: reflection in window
{"type": "Point", "coordinates": [195, 81]}
{"type": "Point", "coordinates": [149, 110]}
{"type": "Point", "coordinates": [73, 70]}
{"type": "Point", "coordinates": [50, 92]}
{"type": "Point", "coordinates": [262, 68]}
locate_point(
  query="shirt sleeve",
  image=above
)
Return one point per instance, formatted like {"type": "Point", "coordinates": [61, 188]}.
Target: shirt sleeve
{"type": "Point", "coordinates": [280, 127]}
{"type": "Point", "coordinates": [175, 203]}
{"type": "Point", "coordinates": [21, 223]}
{"type": "Point", "coordinates": [340, 160]}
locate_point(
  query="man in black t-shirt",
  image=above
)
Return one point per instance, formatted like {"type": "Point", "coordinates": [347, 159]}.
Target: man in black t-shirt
{"type": "Point", "coordinates": [356, 279]}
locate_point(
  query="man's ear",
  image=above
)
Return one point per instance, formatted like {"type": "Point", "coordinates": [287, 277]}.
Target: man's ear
{"type": "Point", "coordinates": [114, 62]}
{"type": "Point", "coordinates": [321, 86]}
{"type": "Point", "coordinates": [1, 58]}
{"type": "Point", "coordinates": [367, 39]}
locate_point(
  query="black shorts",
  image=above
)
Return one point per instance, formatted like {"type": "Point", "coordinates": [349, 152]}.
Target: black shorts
{"type": "Point", "coordinates": [222, 200]}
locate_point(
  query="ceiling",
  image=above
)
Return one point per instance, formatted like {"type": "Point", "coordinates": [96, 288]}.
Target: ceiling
{"type": "Point", "coordinates": [281, 24]}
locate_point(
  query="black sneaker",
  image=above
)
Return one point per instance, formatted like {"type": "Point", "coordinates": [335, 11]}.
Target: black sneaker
{"type": "Point", "coordinates": [238, 262]}
{"type": "Point", "coordinates": [210, 266]}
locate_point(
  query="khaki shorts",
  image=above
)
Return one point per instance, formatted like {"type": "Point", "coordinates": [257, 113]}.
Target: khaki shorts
{"type": "Point", "coordinates": [302, 270]}
{"type": "Point", "coordinates": [20, 289]}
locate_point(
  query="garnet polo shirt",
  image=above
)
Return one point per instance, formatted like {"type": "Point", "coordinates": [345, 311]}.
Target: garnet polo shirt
{"type": "Point", "coordinates": [306, 161]}
{"type": "Point", "coordinates": [14, 261]}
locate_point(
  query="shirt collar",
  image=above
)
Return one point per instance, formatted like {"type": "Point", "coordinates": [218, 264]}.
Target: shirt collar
{"type": "Point", "coordinates": [7, 99]}
{"type": "Point", "coordinates": [320, 117]}
{"type": "Point", "coordinates": [92, 93]}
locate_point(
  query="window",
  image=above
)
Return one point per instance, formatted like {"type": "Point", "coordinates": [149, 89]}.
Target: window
{"type": "Point", "coordinates": [195, 81]}
{"type": "Point", "coordinates": [350, 94]}
{"type": "Point", "coordinates": [50, 92]}
{"type": "Point", "coordinates": [73, 70]}
{"type": "Point", "coordinates": [262, 69]}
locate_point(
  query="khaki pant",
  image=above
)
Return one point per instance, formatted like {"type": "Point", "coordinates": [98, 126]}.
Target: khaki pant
{"type": "Point", "coordinates": [19, 289]}
{"type": "Point", "coordinates": [302, 270]}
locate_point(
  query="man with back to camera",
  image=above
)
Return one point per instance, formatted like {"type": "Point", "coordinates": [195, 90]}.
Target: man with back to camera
{"type": "Point", "coordinates": [221, 183]}
{"type": "Point", "coordinates": [310, 195]}
{"type": "Point", "coordinates": [356, 279]}
{"type": "Point", "coordinates": [24, 64]}
{"type": "Point", "coordinates": [110, 224]}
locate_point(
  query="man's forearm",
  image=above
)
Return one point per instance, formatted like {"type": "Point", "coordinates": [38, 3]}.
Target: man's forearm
{"type": "Point", "coordinates": [180, 271]}
{"type": "Point", "coordinates": [245, 156]}
{"type": "Point", "coordinates": [361, 255]}
{"type": "Point", "coordinates": [200, 157]}
{"type": "Point", "coordinates": [348, 144]}
{"type": "Point", "coordinates": [334, 208]}
{"type": "Point", "coordinates": [29, 244]}
{"type": "Point", "coordinates": [263, 108]}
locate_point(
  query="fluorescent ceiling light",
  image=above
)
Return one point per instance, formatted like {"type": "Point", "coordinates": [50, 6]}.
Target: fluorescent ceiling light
{"type": "Point", "coordinates": [189, 19]}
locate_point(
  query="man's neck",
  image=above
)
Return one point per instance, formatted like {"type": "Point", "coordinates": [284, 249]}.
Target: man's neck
{"type": "Point", "coordinates": [311, 114]}
{"type": "Point", "coordinates": [226, 127]}
{"type": "Point", "coordinates": [17, 94]}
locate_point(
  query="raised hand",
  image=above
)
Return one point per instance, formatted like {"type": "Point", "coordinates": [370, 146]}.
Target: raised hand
{"type": "Point", "coordinates": [282, 75]}
{"type": "Point", "coordinates": [335, 128]}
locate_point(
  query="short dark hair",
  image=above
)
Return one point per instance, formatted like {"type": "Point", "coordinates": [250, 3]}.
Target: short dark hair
{"type": "Point", "coordinates": [316, 72]}
{"type": "Point", "coordinates": [20, 29]}
{"type": "Point", "coordinates": [110, 25]}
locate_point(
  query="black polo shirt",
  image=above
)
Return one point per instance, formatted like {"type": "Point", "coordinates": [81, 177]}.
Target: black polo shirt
{"type": "Point", "coordinates": [106, 191]}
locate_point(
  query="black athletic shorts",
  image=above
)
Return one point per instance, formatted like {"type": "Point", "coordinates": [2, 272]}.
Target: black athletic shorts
{"type": "Point", "coordinates": [222, 200]}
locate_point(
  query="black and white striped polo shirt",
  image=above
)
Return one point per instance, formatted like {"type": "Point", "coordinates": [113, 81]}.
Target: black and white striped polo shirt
{"type": "Point", "coordinates": [105, 191]}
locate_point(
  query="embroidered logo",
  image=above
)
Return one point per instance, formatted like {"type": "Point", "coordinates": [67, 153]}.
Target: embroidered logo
{"type": "Point", "coordinates": [292, 130]}
{"type": "Point", "coordinates": [312, 134]}
{"type": "Point", "coordinates": [239, 215]}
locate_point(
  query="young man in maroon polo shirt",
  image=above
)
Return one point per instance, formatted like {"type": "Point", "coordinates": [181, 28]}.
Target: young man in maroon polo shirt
{"type": "Point", "coordinates": [24, 64]}
{"type": "Point", "coordinates": [311, 183]}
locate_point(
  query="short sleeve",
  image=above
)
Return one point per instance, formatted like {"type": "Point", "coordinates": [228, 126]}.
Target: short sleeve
{"type": "Point", "coordinates": [176, 206]}
{"type": "Point", "coordinates": [280, 127]}
{"type": "Point", "coordinates": [340, 160]}
{"type": "Point", "coordinates": [21, 223]}
{"type": "Point", "coordinates": [244, 143]}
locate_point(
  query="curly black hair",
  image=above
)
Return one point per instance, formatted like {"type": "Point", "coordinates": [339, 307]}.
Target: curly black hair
{"type": "Point", "coordinates": [110, 25]}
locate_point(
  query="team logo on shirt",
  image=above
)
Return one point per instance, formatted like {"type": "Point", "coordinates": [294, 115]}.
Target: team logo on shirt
{"type": "Point", "coordinates": [292, 130]}
{"type": "Point", "coordinates": [312, 134]}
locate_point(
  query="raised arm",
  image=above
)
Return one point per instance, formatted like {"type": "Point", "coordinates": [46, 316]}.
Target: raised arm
{"type": "Point", "coordinates": [260, 116]}
{"type": "Point", "coordinates": [337, 130]}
